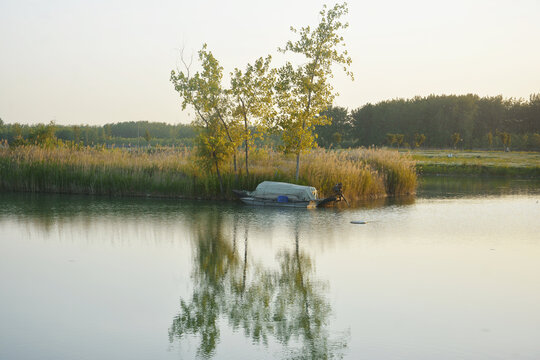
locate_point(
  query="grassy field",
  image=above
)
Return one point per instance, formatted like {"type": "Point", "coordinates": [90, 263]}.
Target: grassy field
{"type": "Point", "coordinates": [169, 172]}
{"type": "Point", "coordinates": [489, 163]}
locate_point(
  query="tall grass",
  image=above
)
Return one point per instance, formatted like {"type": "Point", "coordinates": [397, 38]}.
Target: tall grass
{"type": "Point", "coordinates": [398, 170]}
{"type": "Point", "coordinates": [174, 172]}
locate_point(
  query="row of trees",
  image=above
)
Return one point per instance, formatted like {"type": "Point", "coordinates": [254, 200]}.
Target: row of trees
{"type": "Point", "coordinates": [288, 99]}
{"type": "Point", "coordinates": [437, 121]}
{"type": "Point", "coordinates": [506, 123]}
{"type": "Point", "coordinates": [292, 103]}
{"type": "Point", "coordinates": [141, 133]}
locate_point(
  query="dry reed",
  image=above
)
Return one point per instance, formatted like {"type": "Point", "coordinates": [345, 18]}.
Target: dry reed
{"type": "Point", "coordinates": [365, 173]}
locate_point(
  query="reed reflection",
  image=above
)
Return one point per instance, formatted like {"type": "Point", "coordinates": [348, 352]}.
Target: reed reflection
{"type": "Point", "coordinates": [285, 304]}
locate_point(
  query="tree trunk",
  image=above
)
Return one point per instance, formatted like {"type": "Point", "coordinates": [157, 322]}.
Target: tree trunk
{"type": "Point", "coordinates": [246, 141]}
{"type": "Point", "coordinates": [231, 140]}
{"type": "Point", "coordinates": [247, 168]}
{"type": "Point", "coordinates": [297, 165]}
{"type": "Point", "coordinates": [300, 142]}
{"type": "Point", "coordinates": [235, 171]}
{"type": "Point", "coordinates": [219, 178]}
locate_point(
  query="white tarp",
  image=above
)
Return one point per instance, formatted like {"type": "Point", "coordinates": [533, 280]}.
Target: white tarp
{"type": "Point", "coordinates": [273, 189]}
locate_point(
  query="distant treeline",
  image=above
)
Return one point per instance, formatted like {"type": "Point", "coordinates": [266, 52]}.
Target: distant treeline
{"type": "Point", "coordinates": [140, 133]}
{"type": "Point", "coordinates": [446, 121]}
{"type": "Point", "coordinates": [465, 121]}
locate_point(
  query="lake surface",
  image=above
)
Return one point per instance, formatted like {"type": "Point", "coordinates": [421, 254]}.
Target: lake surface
{"type": "Point", "coordinates": [451, 274]}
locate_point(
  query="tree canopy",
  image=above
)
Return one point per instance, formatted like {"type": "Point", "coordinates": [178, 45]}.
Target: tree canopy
{"type": "Point", "coordinates": [304, 92]}
{"type": "Point", "coordinates": [364, 126]}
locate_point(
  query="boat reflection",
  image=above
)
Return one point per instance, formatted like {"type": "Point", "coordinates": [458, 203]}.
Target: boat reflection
{"type": "Point", "coordinates": [285, 305]}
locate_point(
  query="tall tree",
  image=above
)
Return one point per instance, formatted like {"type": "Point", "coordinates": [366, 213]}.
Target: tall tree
{"type": "Point", "coordinates": [419, 140]}
{"type": "Point", "coordinates": [391, 139]}
{"type": "Point", "coordinates": [399, 140]}
{"type": "Point", "coordinates": [490, 139]}
{"type": "Point", "coordinates": [43, 135]}
{"type": "Point", "coordinates": [147, 136]}
{"type": "Point", "coordinates": [251, 94]}
{"type": "Point", "coordinates": [456, 138]}
{"type": "Point", "coordinates": [203, 91]}
{"type": "Point", "coordinates": [303, 92]}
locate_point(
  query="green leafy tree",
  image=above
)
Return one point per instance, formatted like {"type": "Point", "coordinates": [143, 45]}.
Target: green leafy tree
{"type": "Point", "coordinates": [101, 135]}
{"type": "Point", "coordinates": [338, 131]}
{"type": "Point", "coordinates": [108, 132]}
{"type": "Point", "coordinates": [203, 92]}
{"type": "Point", "coordinates": [456, 138]}
{"type": "Point", "coordinates": [18, 138]}
{"type": "Point", "coordinates": [3, 133]}
{"type": "Point", "coordinates": [391, 139]}
{"type": "Point", "coordinates": [419, 139]}
{"type": "Point", "coordinates": [506, 139]}
{"type": "Point", "coordinates": [252, 101]}
{"type": "Point", "coordinates": [77, 134]}
{"type": "Point", "coordinates": [43, 135]}
{"type": "Point", "coordinates": [147, 136]}
{"type": "Point", "coordinates": [399, 139]}
{"type": "Point", "coordinates": [532, 114]}
{"type": "Point", "coordinates": [337, 137]}
{"type": "Point", "coordinates": [303, 92]}
{"type": "Point", "coordinates": [535, 141]}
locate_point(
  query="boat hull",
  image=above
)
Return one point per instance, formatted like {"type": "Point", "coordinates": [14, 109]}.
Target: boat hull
{"type": "Point", "coordinates": [267, 202]}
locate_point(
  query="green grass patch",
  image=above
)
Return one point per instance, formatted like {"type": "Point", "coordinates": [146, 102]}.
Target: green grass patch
{"type": "Point", "coordinates": [484, 163]}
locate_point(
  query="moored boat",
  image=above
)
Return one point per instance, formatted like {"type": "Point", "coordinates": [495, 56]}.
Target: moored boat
{"type": "Point", "coordinates": [272, 193]}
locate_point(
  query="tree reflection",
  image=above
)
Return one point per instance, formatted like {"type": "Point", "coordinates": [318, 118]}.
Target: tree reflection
{"type": "Point", "coordinates": [287, 304]}
{"type": "Point", "coordinates": [214, 258]}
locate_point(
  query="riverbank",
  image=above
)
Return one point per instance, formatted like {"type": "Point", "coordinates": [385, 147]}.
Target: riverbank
{"type": "Point", "coordinates": [170, 172]}
{"type": "Point", "coordinates": [483, 163]}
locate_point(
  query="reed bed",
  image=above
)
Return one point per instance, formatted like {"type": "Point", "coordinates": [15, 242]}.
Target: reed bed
{"type": "Point", "coordinates": [168, 172]}
{"type": "Point", "coordinates": [397, 170]}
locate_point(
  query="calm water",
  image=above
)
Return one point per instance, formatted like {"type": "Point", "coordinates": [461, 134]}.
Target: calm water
{"type": "Point", "coordinates": [452, 274]}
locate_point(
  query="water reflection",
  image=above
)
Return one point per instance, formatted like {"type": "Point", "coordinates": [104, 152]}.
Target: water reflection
{"type": "Point", "coordinates": [287, 305]}
{"type": "Point", "coordinates": [223, 277]}
{"type": "Point", "coordinates": [466, 186]}
{"type": "Point", "coordinates": [378, 202]}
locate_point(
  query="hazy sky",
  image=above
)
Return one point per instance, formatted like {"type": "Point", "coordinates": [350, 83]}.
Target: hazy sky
{"type": "Point", "coordinates": [95, 62]}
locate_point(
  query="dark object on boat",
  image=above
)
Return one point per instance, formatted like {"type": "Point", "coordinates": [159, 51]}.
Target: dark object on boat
{"type": "Point", "coordinates": [338, 192]}
{"type": "Point", "coordinates": [271, 193]}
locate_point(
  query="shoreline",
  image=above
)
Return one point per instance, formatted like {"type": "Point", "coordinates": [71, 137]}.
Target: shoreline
{"type": "Point", "coordinates": [477, 170]}
{"type": "Point", "coordinates": [477, 163]}
{"type": "Point", "coordinates": [365, 173]}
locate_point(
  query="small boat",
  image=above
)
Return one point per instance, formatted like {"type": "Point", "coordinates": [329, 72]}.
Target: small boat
{"type": "Point", "coordinates": [272, 193]}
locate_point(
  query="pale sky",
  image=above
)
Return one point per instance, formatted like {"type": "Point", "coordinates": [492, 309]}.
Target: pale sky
{"type": "Point", "coordinates": [102, 61]}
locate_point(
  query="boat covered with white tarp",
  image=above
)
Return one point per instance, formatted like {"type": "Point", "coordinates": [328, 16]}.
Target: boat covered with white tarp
{"type": "Point", "coordinates": [273, 193]}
